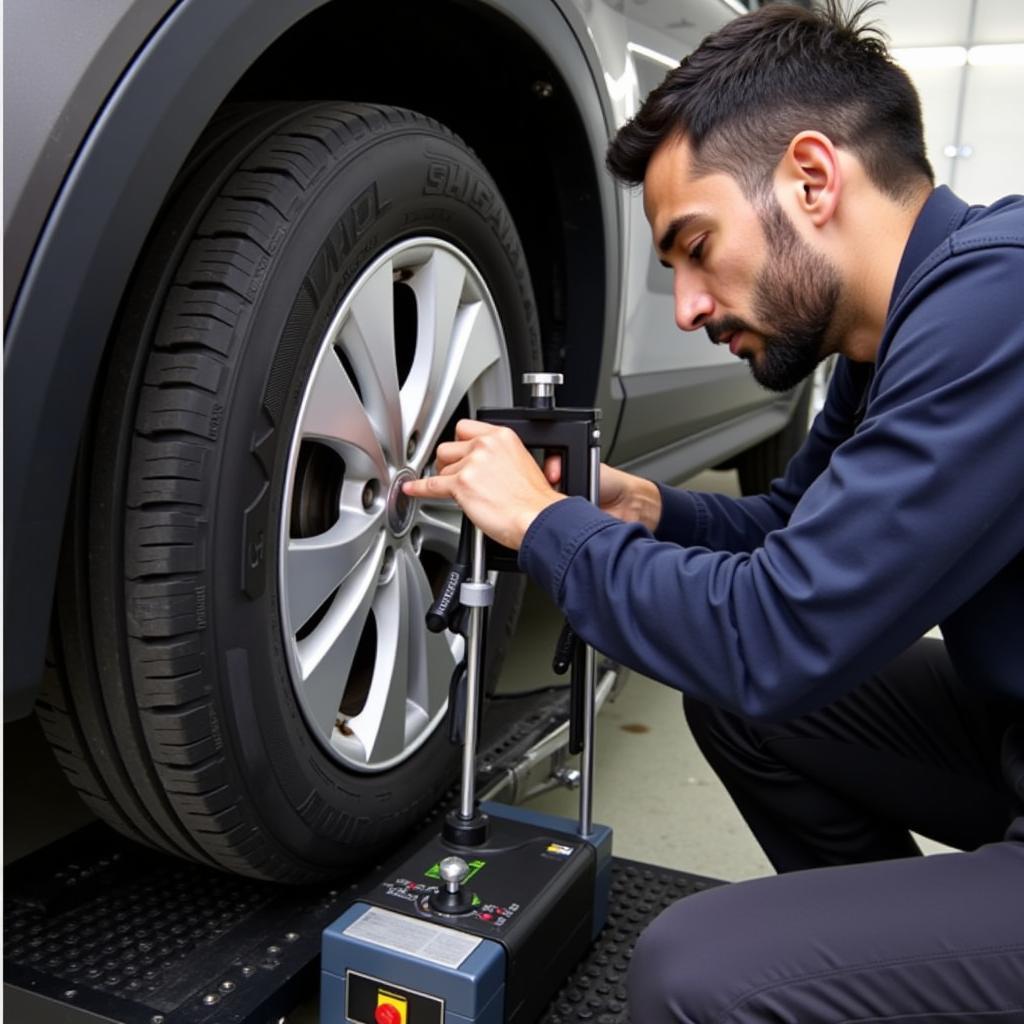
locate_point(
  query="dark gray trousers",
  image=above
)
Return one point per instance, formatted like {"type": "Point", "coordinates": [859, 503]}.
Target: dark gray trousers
{"type": "Point", "coordinates": [858, 926]}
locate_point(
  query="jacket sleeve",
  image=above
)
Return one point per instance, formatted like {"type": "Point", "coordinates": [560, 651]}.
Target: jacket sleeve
{"type": "Point", "coordinates": [910, 516]}
{"type": "Point", "coordinates": [724, 523]}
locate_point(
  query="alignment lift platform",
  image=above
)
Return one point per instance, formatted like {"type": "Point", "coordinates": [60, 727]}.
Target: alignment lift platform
{"type": "Point", "coordinates": [99, 930]}
{"type": "Point", "coordinates": [493, 915]}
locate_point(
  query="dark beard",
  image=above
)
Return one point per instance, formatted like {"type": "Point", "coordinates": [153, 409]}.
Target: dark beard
{"type": "Point", "coordinates": [796, 294]}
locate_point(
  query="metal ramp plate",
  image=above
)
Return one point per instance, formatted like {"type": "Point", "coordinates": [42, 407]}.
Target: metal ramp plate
{"type": "Point", "coordinates": [596, 991]}
{"type": "Point", "coordinates": [99, 929]}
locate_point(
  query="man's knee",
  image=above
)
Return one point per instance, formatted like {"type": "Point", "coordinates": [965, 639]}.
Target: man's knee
{"type": "Point", "coordinates": [675, 974]}
{"type": "Point", "coordinates": [740, 953]}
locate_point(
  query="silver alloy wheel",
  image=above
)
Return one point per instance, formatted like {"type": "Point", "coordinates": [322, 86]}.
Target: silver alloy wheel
{"type": "Point", "coordinates": [416, 338]}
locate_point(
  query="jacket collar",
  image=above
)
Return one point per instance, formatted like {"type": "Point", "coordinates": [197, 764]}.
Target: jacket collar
{"type": "Point", "coordinates": [942, 213]}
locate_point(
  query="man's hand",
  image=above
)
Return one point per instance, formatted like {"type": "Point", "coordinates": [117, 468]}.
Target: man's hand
{"type": "Point", "coordinates": [492, 476]}
{"type": "Point", "coordinates": [629, 498]}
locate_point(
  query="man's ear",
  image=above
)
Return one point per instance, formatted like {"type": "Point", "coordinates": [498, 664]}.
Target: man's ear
{"type": "Point", "coordinates": [810, 177]}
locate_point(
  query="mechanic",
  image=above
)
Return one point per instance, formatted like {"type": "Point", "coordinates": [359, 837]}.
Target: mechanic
{"type": "Point", "coordinates": [786, 184]}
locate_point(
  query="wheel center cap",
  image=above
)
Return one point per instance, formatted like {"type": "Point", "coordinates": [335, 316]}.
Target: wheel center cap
{"type": "Point", "coordinates": [400, 505]}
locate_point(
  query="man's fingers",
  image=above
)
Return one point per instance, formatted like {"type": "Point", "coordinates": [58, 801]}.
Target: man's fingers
{"type": "Point", "coordinates": [466, 430]}
{"type": "Point", "coordinates": [468, 433]}
{"type": "Point", "coordinates": [416, 488]}
{"type": "Point", "coordinates": [429, 487]}
{"type": "Point", "coordinates": [451, 452]}
{"type": "Point", "coordinates": [553, 468]}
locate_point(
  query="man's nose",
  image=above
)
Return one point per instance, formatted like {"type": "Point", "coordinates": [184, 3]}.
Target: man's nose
{"type": "Point", "coordinates": [694, 307]}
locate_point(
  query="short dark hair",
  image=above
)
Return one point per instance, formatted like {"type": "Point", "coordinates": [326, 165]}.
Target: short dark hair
{"type": "Point", "coordinates": [748, 89]}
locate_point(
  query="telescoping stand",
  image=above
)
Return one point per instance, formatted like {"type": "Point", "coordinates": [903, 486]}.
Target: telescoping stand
{"type": "Point", "coordinates": [484, 922]}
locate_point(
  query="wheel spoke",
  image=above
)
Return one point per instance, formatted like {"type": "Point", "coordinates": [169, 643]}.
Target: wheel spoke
{"type": "Point", "coordinates": [381, 725]}
{"type": "Point", "coordinates": [368, 339]}
{"type": "Point", "coordinates": [316, 566]}
{"type": "Point", "coordinates": [429, 655]}
{"type": "Point", "coordinates": [334, 414]}
{"type": "Point", "coordinates": [440, 525]}
{"type": "Point", "coordinates": [326, 655]}
{"type": "Point", "coordinates": [475, 347]}
{"type": "Point", "coordinates": [457, 343]}
{"type": "Point", "coordinates": [438, 287]}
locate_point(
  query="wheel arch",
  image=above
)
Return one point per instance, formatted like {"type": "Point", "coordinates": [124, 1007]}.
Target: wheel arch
{"type": "Point", "coordinates": [201, 55]}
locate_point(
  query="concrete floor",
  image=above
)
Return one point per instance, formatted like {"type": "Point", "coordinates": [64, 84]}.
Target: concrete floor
{"type": "Point", "coordinates": [656, 791]}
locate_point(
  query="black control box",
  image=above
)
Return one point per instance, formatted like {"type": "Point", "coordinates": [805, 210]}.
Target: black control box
{"type": "Point", "coordinates": [533, 892]}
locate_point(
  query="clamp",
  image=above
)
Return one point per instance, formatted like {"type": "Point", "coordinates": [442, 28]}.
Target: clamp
{"type": "Point", "coordinates": [461, 606]}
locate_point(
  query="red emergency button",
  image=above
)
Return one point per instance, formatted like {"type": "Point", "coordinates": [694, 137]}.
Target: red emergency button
{"type": "Point", "coordinates": [387, 1014]}
{"type": "Point", "coordinates": [392, 1008]}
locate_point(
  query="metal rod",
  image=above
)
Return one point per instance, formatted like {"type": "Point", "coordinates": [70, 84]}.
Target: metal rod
{"type": "Point", "coordinates": [474, 675]}
{"type": "Point", "coordinates": [586, 825]}
{"type": "Point", "coordinates": [587, 754]}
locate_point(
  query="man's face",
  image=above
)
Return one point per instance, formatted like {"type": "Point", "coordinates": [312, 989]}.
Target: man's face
{"type": "Point", "coordinates": [741, 271]}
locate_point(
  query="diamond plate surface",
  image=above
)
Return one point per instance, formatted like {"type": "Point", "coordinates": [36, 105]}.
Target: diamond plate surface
{"type": "Point", "coordinates": [596, 991]}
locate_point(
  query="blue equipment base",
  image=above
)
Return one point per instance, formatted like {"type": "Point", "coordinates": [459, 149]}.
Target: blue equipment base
{"type": "Point", "coordinates": [539, 898]}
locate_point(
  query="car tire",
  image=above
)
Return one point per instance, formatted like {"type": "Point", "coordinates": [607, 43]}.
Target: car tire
{"type": "Point", "coordinates": [760, 465]}
{"type": "Point", "coordinates": [245, 675]}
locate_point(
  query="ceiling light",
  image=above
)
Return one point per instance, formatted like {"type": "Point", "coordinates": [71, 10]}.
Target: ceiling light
{"type": "Point", "coordinates": [1004, 54]}
{"type": "Point", "coordinates": [913, 57]}
{"type": "Point", "coordinates": [990, 55]}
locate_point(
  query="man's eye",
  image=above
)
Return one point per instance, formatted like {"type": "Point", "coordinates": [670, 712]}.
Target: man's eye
{"type": "Point", "coordinates": [696, 254]}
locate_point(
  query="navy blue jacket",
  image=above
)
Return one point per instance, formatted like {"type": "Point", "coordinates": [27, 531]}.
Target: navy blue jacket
{"type": "Point", "coordinates": [903, 509]}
